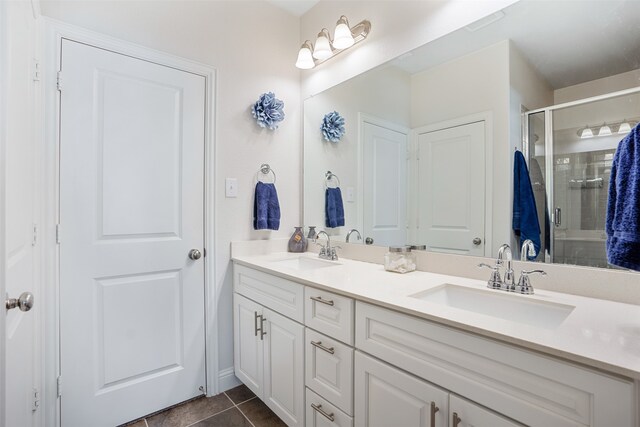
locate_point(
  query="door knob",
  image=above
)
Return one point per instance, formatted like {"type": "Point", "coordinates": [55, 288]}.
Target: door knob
{"type": "Point", "coordinates": [195, 254]}
{"type": "Point", "coordinates": [368, 241]}
{"type": "Point", "coordinates": [24, 302]}
{"type": "Point", "coordinates": [477, 241]}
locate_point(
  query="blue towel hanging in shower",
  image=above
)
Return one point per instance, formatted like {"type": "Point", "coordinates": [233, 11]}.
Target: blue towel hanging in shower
{"type": "Point", "coordinates": [525, 215]}
{"type": "Point", "coordinates": [623, 206]}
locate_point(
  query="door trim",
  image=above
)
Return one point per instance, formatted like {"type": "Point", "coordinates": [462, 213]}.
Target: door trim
{"type": "Point", "coordinates": [3, 137]}
{"type": "Point", "coordinates": [53, 34]}
{"type": "Point", "coordinates": [487, 118]}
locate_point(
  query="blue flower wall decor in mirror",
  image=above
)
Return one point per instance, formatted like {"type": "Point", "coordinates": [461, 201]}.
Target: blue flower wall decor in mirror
{"type": "Point", "coordinates": [268, 111]}
{"type": "Point", "coordinates": [333, 126]}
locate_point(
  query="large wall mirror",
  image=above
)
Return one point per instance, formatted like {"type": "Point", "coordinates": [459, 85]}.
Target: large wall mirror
{"type": "Point", "coordinates": [428, 153]}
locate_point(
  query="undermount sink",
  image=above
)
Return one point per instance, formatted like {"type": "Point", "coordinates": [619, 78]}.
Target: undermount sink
{"type": "Point", "coordinates": [303, 263]}
{"type": "Point", "coordinates": [499, 304]}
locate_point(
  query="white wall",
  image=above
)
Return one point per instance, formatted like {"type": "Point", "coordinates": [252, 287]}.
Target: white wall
{"type": "Point", "coordinates": [253, 46]}
{"type": "Point", "coordinates": [382, 93]}
{"type": "Point", "coordinates": [396, 28]}
{"type": "Point", "coordinates": [597, 87]}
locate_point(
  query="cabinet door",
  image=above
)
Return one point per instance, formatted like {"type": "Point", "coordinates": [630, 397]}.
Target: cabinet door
{"type": "Point", "coordinates": [463, 413]}
{"type": "Point", "coordinates": [284, 367]}
{"type": "Point", "coordinates": [247, 346]}
{"type": "Point", "coordinates": [386, 396]}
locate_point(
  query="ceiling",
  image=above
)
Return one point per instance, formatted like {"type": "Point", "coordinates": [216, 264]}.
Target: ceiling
{"type": "Point", "coordinates": [567, 41]}
{"type": "Point", "coordinates": [294, 7]}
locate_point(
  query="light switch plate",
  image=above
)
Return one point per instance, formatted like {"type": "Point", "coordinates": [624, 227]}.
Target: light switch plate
{"type": "Point", "coordinates": [350, 195]}
{"type": "Point", "coordinates": [231, 187]}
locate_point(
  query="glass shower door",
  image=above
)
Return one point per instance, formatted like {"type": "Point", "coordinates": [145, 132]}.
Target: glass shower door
{"type": "Point", "coordinates": [585, 138]}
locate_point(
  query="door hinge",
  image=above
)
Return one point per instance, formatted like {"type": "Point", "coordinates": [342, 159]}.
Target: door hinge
{"type": "Point", "coordinates": [59, 386]}
{"type": "Point", "coordinates": [59, 80]}
{"type": "Point", "coordinates": [34, 241]}
{"type": "Point", "coordinates": [57, 234]}
{"type": "Point", "coordinates": [35, 70]}
{"type": "Point", "coordinates": [36, 400]}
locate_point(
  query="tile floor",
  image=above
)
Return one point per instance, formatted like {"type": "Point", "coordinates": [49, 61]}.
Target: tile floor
{"type": "Point", "coordinates": [237, 407]}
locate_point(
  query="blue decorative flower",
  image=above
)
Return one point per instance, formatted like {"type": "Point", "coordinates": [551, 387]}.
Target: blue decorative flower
{"type": "Point", "coordinates": [333, 126]}
{"type": "Point", "coordinates": [268, 111]}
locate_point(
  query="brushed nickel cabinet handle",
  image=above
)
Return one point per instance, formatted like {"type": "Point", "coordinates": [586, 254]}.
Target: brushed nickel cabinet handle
{"type": "Point", "coordinates": [434, 409]}
{"type": "Point", "coordinates": [318, 344]}
{"type": "Point", "coordinates": [262, 331]}
{"type": "Point", "coordinates": [322, 412]}
{"type": "Point", "coordinates": [323, 301]}
{"type": "Point", "coordinates": [255, 323]}
{"type": "Point", "coordinates": [456, 419]}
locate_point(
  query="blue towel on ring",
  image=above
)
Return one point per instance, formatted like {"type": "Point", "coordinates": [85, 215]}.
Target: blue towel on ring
{"type": "Point", "coordinates": [525, 222]}
{"type": "Point", "coordinates": [623, 205]}
{"type": "Point", "coordinates": [266, 208]}
{"type": "Point", "coordinates": [334, 210]}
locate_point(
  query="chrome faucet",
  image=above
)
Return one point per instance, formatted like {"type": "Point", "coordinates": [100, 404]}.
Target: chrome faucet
{"type": "Point", "coordinates": [352, 231]}
{"type": "Point", "coordinates": [527, 250]}
{"type": "Point", "coordinates": [326, 251]}
{"type": "Point", "coordinates": [508, 284]}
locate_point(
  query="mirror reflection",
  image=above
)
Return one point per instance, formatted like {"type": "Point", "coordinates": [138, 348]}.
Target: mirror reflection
{"type": "Point", "coordinates": [427, 156]}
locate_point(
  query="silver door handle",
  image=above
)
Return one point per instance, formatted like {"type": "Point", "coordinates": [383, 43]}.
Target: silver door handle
{"type": "Point", "coordinates": [262, 331]}
{"type": "Point", "coordinates": [368, 241]}
{"type": "Point", "coordinates": [195, 254]}
{"type": "Point", "coordinates": [557, 217]}
{"type": "Point", "coordinates": [477, 241]}
{"type": "Point", "coordinates": [318, 408]}
{"type": "Point", "coordinates": [255, 322]}
{"type": "Point", "coordinates": [24, 302]}
{"type": "Point", "coordinates": [323, 301]}
{"type": "Point", "coordinates": [319, 345]}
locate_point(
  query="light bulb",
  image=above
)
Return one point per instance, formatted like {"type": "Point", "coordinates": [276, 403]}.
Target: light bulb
{"type": "Point", "coordinates": [305, 60]}
{"type": "Point", "coordinates": [342, 37]}
{"type": "Point", "coordinates": [586, 133]}
{"type": "Point", "coordinates": [322, 49]}
{"type": "Point", "coordinates": [604, 130]}
{"type": "Point", "coordinates": [625, 127]}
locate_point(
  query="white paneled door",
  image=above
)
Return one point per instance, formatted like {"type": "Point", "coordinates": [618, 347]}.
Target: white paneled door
{"type": "Point", "coordinates": [451, 189]}
{"type": "Point", "coordinates": [384, 152]}
{"type": "Point", "coordinates": [131, 211]}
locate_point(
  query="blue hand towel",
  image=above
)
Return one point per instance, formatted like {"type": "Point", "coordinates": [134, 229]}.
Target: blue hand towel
{"type": "Point", "coordinates": [525, 215]}
{"type": "Point", "coordinates": [623, 206]}
{"type": "Point", "coordinates": [334, 210]}
{"type": "Point", "coordinates": [266, 208]}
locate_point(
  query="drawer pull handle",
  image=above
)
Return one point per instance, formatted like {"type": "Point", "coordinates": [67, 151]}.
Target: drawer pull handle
{"type": "Point", "coordinates": [322, 412]}
{"type": "Point", "coordinates": [262, 331]}
{"type": "Point", "coordinates": [434, 409]}
{"type": "Point", "coordinates": [255, 322]}
{"type": "Point", "coordinates": [456, 419]}
{"type": "Point", "coordinates": [318, 344]}
{"type": "Point", "coordinates": [323, 301]}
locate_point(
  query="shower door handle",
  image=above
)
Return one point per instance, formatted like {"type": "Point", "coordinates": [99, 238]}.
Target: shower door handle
{"type": "Point", "coordinates": [557, 217]}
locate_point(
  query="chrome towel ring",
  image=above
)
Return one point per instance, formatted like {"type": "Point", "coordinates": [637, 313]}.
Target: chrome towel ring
{"type": "Point", "coordinates": [265, 169]}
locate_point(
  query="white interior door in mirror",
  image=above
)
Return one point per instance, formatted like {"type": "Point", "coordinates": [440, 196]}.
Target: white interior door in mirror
{"type": "Point", "coordinates": [131, 209]}
{"type": "Point", "coordinates": [451, 189]}
{"type": "Point", "coordinates": [384, 184]}
{"type": "Point", "coordinates": [21, 206]}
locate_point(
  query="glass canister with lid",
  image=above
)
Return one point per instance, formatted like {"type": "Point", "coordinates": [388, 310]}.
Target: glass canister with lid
{"type": "Point", "coordinates": [400, 259]}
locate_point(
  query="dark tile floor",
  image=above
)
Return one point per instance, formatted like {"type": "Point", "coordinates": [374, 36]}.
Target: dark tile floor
{"type": "Point", "coordinates": [237, 407]}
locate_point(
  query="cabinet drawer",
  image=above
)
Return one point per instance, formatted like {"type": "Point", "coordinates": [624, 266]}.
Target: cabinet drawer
{"type": "Point", "coordinates": [534, 389]}
{"type": "Point", "coordinates": [321, 413]}
{"type": "Point", "coordinates": [280, 295]}
{"type": "Point", "coordinates": [329, 369]}
{"type": "Point", "coordinates": [329, 313]}
{"type": "Point", "coordinates": [469, 414]}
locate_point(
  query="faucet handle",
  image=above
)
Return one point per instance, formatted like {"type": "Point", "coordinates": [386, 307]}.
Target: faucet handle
{"type": "Point", "coordinates": [494, 282]}
{"type": "Point", "coordinates": [524, 284]}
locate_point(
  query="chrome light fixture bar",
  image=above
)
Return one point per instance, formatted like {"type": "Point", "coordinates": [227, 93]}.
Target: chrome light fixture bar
{"type": "Point", "coordinates": [325, 47]}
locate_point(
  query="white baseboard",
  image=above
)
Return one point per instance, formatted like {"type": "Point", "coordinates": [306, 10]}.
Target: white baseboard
{"type": "Point", "coordinates": [227, 379]}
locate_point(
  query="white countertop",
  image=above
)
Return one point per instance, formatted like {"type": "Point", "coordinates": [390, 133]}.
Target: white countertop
{"type": "Point", "coordinates": [597, 333]}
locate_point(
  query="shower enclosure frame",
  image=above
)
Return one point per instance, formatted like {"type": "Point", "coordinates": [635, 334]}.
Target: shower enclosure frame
{"type": "Point", "coordinates": [548, 153]}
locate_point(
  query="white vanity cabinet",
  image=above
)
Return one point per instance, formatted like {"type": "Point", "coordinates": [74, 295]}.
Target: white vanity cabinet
{"type": "Point", "coordinates": [528, 387]}
{"type": "Point", "coordinates": [269, 347]}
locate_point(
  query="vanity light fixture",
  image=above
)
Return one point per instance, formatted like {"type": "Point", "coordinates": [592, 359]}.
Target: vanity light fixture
{"type": "Point", "coordinates": [625, 127]}
{"type": "Point", "coordinates": [604, 130]}
{"type": "Point", "coordinates": [344, 37]}
{"type": "Point", "coordinates": [585, 133]}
